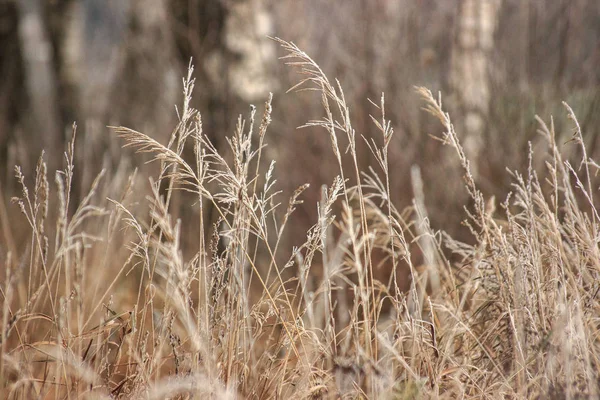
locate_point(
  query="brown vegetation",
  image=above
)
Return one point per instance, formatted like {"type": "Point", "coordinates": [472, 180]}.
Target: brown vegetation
{"type": "Point", "coordinates": [106, 302]}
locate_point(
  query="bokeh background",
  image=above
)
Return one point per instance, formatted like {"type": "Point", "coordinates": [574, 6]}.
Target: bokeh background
{"type": "Point", "coordinates": [497, 63]}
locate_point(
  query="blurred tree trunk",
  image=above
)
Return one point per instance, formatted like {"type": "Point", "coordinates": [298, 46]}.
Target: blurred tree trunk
{"type": "Point", "coordinates": [235, 61]}
{"type": "Point", "coordinates": [251, 54]}
{"type": "Point", "coordinates": [12, 97]}
{"type": "Point", "coordinates": [239, 65]}
{"type": "Point", "coordinates": [471, 63]}
{"type": "Point", "coordinates": [40, 75]}
{"type": "Point", "coordinates": [49, 103]}
{"type": "Point", "coordinates": [148, 83]}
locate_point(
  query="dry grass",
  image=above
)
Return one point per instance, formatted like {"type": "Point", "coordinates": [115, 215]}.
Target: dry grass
{"type": "Point", "coordinates": [105, 303]}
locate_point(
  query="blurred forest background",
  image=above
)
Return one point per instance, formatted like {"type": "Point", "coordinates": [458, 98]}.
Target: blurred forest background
{"type": "Point", "coordinates": [498, 63]}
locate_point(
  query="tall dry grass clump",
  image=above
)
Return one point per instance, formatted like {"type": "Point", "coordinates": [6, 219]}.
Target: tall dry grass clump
{"type": "Point", "coordinates": [105, 303]}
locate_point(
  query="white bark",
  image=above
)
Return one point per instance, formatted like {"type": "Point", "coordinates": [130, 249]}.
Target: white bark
{"type": "Point", "coordinates": [249, 54]}
{"type": "Point", "coordinates": [39, 73]}
{"type": "Point", "coordinates": [471, 66]}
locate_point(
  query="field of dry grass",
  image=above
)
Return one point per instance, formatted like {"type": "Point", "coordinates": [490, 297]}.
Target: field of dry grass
{"type": "Point", "coordinates": [104, 301]}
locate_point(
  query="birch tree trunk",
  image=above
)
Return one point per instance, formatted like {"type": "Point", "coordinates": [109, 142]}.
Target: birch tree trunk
{"type": "Point", "coordinates": [40, 77]}
{"type": "Point", "coordinates": [470, 70]}
{"type": "Point", "coordinates": [247, 55]}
